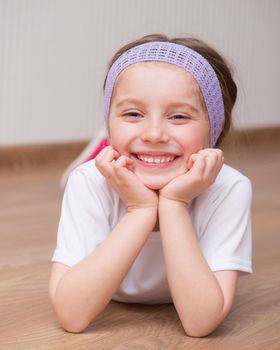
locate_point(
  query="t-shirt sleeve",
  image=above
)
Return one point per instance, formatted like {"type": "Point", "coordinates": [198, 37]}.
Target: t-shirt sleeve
{"type": "Point", "coordinates": [84, 219]}
{"type": "Point", "coordinates": [226, 238]}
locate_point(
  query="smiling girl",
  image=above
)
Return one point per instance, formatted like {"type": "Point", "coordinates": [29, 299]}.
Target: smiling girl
{"type": "Point", "coordinates": [157, 217]}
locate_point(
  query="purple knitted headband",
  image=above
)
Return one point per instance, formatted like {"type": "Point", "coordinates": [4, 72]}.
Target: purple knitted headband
{"type": "Point", "coordinates": [181, 56]}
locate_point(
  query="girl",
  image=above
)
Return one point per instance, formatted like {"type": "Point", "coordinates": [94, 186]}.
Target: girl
{"type": "Point", "coordinates": [157, 217]}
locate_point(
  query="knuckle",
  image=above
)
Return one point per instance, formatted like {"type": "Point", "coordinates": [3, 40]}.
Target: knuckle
{"type": "Point", "coordinates": [119, 171]}
{"type": "Point", "coordinates": [219, 152]}
{"type": "Point", "coordinates": [118, 165]}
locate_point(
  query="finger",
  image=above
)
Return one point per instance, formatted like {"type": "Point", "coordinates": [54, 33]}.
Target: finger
{"type": "Point", "coordinates": [211, 152]}
{"type": "Point", "coordinates": [198, 163]}
{"type": "Point", "coordinates": [205, 168]}
{"type": "Point", "coordinates": [120, 169]}
{"type": "Point", "coordinates": [108, 154]}
{"type": "Point", "coordinates": [194, 158]}
{"type": "Point", "coordinates": [215, 157]}
{"type": "Point", "coordinates": [214, 161]}
{"type": "Point", "coordinates": [104, 161]}
{"type": "Point", "coordinates": [215, 152]}
{"type": "Point", "coordinates": [123, 162]}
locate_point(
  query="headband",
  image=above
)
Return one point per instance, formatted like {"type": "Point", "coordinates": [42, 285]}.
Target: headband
{"type": "Point", "coordinates": [183, 57]}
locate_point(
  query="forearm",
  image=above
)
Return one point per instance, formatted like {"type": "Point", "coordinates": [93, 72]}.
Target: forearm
{"type": "Point", "coordinates": [196, 292]}
{"type": "Point", "coordinates": [86, 289]}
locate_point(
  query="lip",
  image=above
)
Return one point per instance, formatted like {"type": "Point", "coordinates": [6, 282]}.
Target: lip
{"type": "Point", "coordinates": [155, 154]}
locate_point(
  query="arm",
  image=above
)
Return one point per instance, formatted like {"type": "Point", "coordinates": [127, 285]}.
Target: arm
{"type": "Point", "coordinates": [202, 298]}
{"type": "Point", "coordinates": [83, 291]}
{"type": "Point", "coordinates": [80, 293]}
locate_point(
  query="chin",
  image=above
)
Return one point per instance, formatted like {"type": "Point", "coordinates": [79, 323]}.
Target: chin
{"type": "Point", "coordinates": [155, 185]}
{"type": "Point", "coordinates": [159, 180]}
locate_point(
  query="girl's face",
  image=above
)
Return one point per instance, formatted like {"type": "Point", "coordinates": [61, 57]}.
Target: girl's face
{"type": "Point", "coordinates": [157, 118]}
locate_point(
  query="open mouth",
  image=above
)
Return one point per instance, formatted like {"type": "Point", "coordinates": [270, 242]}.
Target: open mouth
{"type": "Point", "coordinates": [155, 159]}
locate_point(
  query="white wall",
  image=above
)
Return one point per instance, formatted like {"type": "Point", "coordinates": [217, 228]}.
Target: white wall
{"type": "Point", "coordinates": [53, 57]}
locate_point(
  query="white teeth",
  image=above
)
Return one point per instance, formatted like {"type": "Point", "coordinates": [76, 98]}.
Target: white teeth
{"type": "Point", "coordinates": [156, 160]}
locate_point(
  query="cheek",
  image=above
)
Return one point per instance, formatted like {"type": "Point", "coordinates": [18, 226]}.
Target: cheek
{"type": "Point", "coordinates": [198, 137]}
{"type": "Point", "coordinates": [116, 143]}
{"type": "Point", "coordinates": [114, 136]}
{"type": "Point", "coordinates": [119, 141]}
{"type": "Point", "coordinates": [194, 142]}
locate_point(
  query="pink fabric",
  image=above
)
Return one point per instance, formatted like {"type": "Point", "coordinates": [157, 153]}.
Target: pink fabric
{"type": "Point", "coordinates": [102, 144]}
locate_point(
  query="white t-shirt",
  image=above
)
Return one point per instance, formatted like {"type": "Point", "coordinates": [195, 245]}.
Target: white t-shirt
{"type": "Point", "coordinates": [220, 216]}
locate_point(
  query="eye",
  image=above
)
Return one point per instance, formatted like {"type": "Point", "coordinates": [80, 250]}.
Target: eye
{"type": "Point", "coordinates": [133, 115]}
{"type": "Point", "coordinates": [180, 117]}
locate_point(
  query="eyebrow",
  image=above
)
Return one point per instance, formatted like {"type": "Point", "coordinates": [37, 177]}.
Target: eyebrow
{"type": "Point", "coordinates": [183, 104]}
{"type": "Point", "coordinates": [128, 100]}
{"type": "Point", "coordinates": [172, 104]}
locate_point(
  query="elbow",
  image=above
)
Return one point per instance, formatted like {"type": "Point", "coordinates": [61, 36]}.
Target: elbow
{"type": "Point", "coordinates": [71, 323]}
{"type": "Point", "coordinates": [204, 323]}
{"type": "Point", "coordinates": [67, 310]}
{"type": "Point", "coordinates": [201, 328]}
{"type": "Point", "coordinates": [72, 327]}
{"type": "Point", "coordinates": [197, 333]}
{"type": "Point", "coordinates": [69, 320]}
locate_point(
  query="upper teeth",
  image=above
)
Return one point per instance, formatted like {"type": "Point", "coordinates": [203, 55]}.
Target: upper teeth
{"type": "Point", "coordinates": [150, 159]}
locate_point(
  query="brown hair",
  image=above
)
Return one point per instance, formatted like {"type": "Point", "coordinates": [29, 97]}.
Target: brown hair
{"type": "Point", "coordinates": [228, 86]}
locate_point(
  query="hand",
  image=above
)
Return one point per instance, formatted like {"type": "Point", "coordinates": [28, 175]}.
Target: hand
{"type": "Point", "coordinates": [203, 168]}
{"type": "Point", "coordinates": [118, 170]}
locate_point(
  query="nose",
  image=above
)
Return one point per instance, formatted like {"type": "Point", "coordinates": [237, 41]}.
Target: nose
{"type": "Point", "coordinates": [154, 132]}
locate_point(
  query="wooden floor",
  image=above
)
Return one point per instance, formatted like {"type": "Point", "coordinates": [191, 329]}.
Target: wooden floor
{"type": "Point", "coordinates": [29, 213]}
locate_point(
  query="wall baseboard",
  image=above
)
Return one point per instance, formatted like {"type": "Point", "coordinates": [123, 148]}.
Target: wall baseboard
{"type": "Point", "coordinates": [251, 137]}
{"type": "Point", "coordinates": [25, 156]}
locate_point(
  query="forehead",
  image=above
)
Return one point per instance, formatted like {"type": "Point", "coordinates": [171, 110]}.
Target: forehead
{"type": "Point", "coordinates": [151, 69]}
{"type": "Point", "coordinates": [167, 79]}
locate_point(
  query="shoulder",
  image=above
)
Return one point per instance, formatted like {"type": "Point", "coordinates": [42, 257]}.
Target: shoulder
{"type": "Point", "coordinates": [229, 175]}
{"type": "Point", "coordinates": [230, 186]}
{"type": "Point", "coordinates": [88, 170]}
{"type": "Point", "coordinates": [222, 219]}
{"type": "Point", "coordinates": [230, 179]}
{"type": "Point", "coordinates": [87, 180]}
{"type": "Point", "coordinates": [89, 174]}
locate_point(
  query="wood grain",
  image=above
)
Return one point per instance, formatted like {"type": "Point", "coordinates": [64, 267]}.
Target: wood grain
{"type": "Point", "coordinates": [29, 212]}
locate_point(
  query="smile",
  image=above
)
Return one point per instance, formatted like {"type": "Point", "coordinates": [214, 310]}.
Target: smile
{"type": "Point", "coordinates": [157, 160]}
